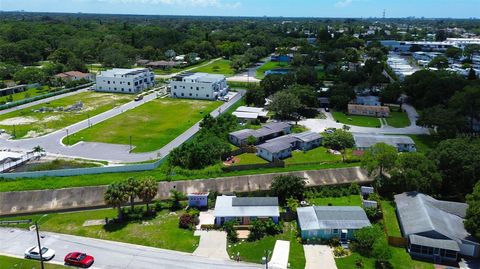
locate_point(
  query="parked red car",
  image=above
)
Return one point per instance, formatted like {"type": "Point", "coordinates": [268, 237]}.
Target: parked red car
{"type": "Point", "coordinates": [79, 259]}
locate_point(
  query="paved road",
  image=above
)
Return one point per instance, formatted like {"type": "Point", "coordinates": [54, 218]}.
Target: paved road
{"type": "Point", "coordinates": [319, 125]}
{"type": "Point", "coordinates": [109, 254]}
{"type": "Point", "coordinates": [42, 101]}
{"type": "Point", "coordinates": [186, 70]}
{"type": "Point", "coordinates": [102, 151]}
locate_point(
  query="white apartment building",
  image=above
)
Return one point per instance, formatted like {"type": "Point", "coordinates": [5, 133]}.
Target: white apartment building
{"type": "Point", "coordinates": [124, 80]}
{"type": "Point", "coordinates": [198, 86]}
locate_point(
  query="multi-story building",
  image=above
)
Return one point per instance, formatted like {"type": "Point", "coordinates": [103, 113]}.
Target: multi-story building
{"type": "Point", "coordinates": [198, 86]}
{"type": "Point", "coordinates": [125, 80]}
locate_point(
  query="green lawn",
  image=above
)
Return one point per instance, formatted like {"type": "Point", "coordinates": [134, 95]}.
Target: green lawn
{"type": "Point", "coordinates": [351, 200]}
{"type": "Point", "coordinates": [161, 231]}
{"type": "Point", "coordinates": [176, 70]}
{"type": "Point", "coordinates": [250, 158]}
{"type": "Point", "coordinates": [254, 251]}
{"type": "Point", "coordinates": [269, 66]}
{"type": "Point", "coordinates": [30, 124]}
{"type": "Point", "coordinates": [7, 262]}
{"type": "Point", "coordinates": [26, 94]}
{"type": "Point", "coordinates": [319, 154]}
{"type": "Point", "coordinates": [398, 119]}
{"type": "Point", "coordinates": [356, 120]}
{"type": "Point", "coordinates": [390, 218]}
{"type": "Point", "coordinates": [151, 125]}
{"type": "Point", "coordinates": [220, 66]}
{"type": "Point", "coordinates": [425, 143]}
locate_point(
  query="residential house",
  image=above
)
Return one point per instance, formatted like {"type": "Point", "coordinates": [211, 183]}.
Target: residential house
{"type": "Point", "coordinates": [326, 222]}
{"type": "Point", "coordinates": [268, 131]}
{"type": "Point", "coordinates": [245, 209]}
{"type": "Point", "coordinates": [198, 199]}
{"type": "Point", "coordinates": [283, 58]}
{"type": "Point", "coordinates": [125, 80]}
{"type": "Point", "coordinates": [401, 142]}
{"type": "Point", "coordinates": [281, 147]}
{"type": "Point", "coordinates": [163, 64]}
{"type": "Point", "coordinates": [198, 86]}
{"type": "Point", "coordinates": [74, 75]}
{"type": "Point", "coordinates": [434, 228]}
{"type": "Point", "coordinates": [366, 110]}
{"type": "Point", "coordinates": [246, 113]}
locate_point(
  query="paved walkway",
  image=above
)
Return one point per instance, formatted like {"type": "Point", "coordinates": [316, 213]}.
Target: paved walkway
{"type": "Point", "coordinates": [213, 244]}
{"type": "Point", "coordinates": [109, 254]}
{"type": "Point", "coordinates": [319, 125]}
{"type": "Point", "coordinates": [280, 254]}
{"type": "Point", "coordinates": [103, 151]}
{"type": "Point", "coordinates": [319, 257]}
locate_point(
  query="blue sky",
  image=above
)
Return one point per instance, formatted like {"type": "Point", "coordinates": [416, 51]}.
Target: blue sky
{"type": "Point", "coordinates": [293, 8]}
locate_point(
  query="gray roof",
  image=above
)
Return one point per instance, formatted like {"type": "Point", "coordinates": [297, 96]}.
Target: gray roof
{"type": "Point", "coordinates": [332, 217]}
{"type": "Point", "coordinates": [277, 126]}
{"type": "Point", "coordinates": [434, 243]}
{"type": "Point", "coordinates": [367, 140]}
{"type": "Point", "coordinates": [421, 214]}
{"type": "Point", "coordinates": [307, 136]}
{"type": "Point", "coordinates": [224, 207]}
{"type": "Point", "coordinates": [284, 138]}
{"type": "Point", "coordinates": [266, 130]}
{"type": "Point", "coordinates": [243, 134]}
{"type": "Point", "coordinates": [275, 146]}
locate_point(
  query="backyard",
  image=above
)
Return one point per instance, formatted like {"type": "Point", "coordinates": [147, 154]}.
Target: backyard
{"type": "Point", "coordinates": [48, 117]}
{"type": "Point", "coordinates": [350, 200]}
{"type": "Point", "coordinates": [249, 158]}
{"type": "Point", "coordinates": [398, 119]}
{"type": "Point", "coordinates": [161, 231]}
{"type": "Point", "coordinates": [254, 251]}
{"type": "Point", "coordinates": [269, 66]}
{"type": "Point", "coordinates": [7, 262]}
{"type": "Point", "coordinates": [220, 66]}
{"type": "Point", "coordinates": [150, 126]}
{"type": "Point", "coordinates": [356, 120]}
{"type": "Point", "coordinates": [26, 94]}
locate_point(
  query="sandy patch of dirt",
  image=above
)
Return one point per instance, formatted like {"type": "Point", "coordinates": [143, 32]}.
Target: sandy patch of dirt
{"type": "Point", "coordinates": [51, 118]}
{"type": "Point", "coordinates": [18, 121]}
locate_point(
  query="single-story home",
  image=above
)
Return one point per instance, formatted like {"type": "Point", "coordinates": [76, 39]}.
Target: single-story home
{"type": "Point", "coordinates": [281, 147]}
{"type": "Point", "coordinates": [325, 222]}
{"type": "Point", "coordinates": [283, 58]}
{"type": "Point", "coordinates": [245, 209]}
{"type": "Point", "coordinates": [198, 199]}
{"type": "Point", "coordinates": [163, 64]}
{"type": "Point", "coordinates": [368, 100]}
{"type": "Point", "coordinates": [268, 131]}
{"type": "Point", "coordinates": [365, 110]}
{"type": "Point", "coordinates": [74, 75]}
{"type": "Point", "coordinates": [246, 113]}
{"type": "Point", "coordinates": [434, 228]}
{"type": "Point", "coordinates": [401, 142]}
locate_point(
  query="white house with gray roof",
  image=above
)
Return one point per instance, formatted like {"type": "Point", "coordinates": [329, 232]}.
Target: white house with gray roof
{"type": "Point", "coordinates": [281, 147]}
{"type": "Point", "coordinates": [434, 229]}
{"type": "Point", "coordinates": [245, 209]}
{"type": "Point", "coordinates": [401, 142]}
{"type": "Point", "coordinates": [325, 222]}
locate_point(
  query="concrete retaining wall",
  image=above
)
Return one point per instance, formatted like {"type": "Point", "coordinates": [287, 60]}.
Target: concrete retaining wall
{"type": "Point", "coordinates": [72, 198]}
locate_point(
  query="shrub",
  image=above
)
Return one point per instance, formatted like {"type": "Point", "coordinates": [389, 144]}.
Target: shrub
{"type": "Point", "coordinates": [359, 263]}
{"type": "Point", "coordinates": [374, 214]}
{"type": "Point", "coordinates": [259, 229]}
{"type": "Point", "coordinates": [186, 221]}
{"type": "Point", "coordinates": [380, 264]}
{"type": "Point", "coordinates": [230, 230]}
{"type": "Point", "coordinates": [334, 241]}
{"type": "Point", "coordinates": [340, 252]}
{"type": "Point", "coordinates": [365, 239]}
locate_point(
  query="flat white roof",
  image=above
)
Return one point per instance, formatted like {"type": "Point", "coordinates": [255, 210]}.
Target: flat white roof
{"type": "Point", "coordinates": [260, 111]}
{"type": "Point", "coordinates": [245, 115]}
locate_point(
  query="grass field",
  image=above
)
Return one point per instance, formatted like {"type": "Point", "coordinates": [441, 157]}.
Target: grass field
{"type": "Point", "coordinates": [390, 218]}
{"type": "Point", "coordinates": [250, 158]}
{"type": "Point", "coordinates": [254, 251]}
{"type": "Point", "coordinates": [31, 124]}
{"type": "Point", "coordinates": [26, 94]}
{"type": "Point", "coordinates": [425, 143]}
{"type": "Point", "coordinates": [356, 120]}
{"type": "Point", "coordinates": [398, 119]}
{"type": "Point", "coordinates": [16, 263]}
{"type": "Point", "coordinates": [151, 125]}
{"type": "Point", "coordinates": [319, 154]}
{"type": "Point", "coordinates": [269, 66]}
{"type": "Point", "coordinates": [161, 231]}
{"type": "Point", "coordinates": [351, 200]}
{"type": "Point", "coordinates": [220, 66]}
{"type": "Point", "coordinates": [176, 70]}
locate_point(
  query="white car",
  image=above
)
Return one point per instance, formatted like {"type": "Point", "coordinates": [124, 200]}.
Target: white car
{"type": "Point", "coordinates": [33, 253]}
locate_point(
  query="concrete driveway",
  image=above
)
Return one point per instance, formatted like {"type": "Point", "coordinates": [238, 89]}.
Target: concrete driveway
{"type": "Point", "coordinates": [319, 257]}
{"type": "Point", "coordinates": [109, 254]}
{"type": "Point", "coordinates": [280, 254]}
{"type": "Point", "coordinates": [206, 218]}
{"type": "Point", "coordinates": [213, 244]}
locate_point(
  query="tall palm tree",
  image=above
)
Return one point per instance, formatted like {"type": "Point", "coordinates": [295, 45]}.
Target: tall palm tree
{"type": "Point", "coordinates": [116, 197]}
{"type": "Point", "coordinates": [132, 189]}
{"type": "Point", "coordinates": [148, 190]}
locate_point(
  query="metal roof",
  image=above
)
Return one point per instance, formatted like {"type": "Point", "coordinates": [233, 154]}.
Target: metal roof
{"type": "Point", "coordinates": [243, 134]}
{"type": "Point", "coordinates": [332, 217]}
{"type": "Point", "coordinates": [434, 243]}
{"type": "Point", "coordinates": [224, 208]}
{"type": "Point", "coordinates": [260, 111]}
{"type": "Point", "coordinates": [421, 214]}
{"type": "Point", "coordinates": [307, 136]}
{"type": "Point", "coordinates": [245, 115]}
{"type": "Point", "coordinates": [255, 201]}
{"type": "Point", "coordinates": [368, 140]}
{"type": "Point", "coordinates": [275, 146]}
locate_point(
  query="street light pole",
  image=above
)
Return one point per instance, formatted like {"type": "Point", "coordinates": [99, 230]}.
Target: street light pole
{"type": "Point", "coordinates": [130, 143]}
{"type": "Point", "coordinates": [39, 245]}
{"type": "Point", "coordinates": [68, 138]}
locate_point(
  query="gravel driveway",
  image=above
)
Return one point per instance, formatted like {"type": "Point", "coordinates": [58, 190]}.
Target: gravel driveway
{"type": "Point", "coordinates": [319, 256]}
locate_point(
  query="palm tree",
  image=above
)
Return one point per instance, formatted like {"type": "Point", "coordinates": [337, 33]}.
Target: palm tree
{"type": "Point", "coordinates": [38, 149]}
{"type": "Point", "coordinates": [132, 189]}
{"type": "Point", "coordinates": [116, 196]}
{"type": "Point", "coordinates": [147, 190]}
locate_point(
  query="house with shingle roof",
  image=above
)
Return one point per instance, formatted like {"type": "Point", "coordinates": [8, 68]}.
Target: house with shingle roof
{"type": "Point", "coordinates": [325, 222]}
{"type": "Point", "coordinates": [434, 228]}
{"type": "Point", "coordinates": [401, 142]}
{"type": "Point", "coordinates": [245, 209]}
{"type": "Point", "coordinates": [282, 147]}
{"type": "Point", "coordinates": [268, 131]}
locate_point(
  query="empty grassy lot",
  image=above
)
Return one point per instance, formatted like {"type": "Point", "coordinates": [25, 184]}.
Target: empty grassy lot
{"type": "Point", "coordinates": [220, 66]}
{"type": "Point", "coordinates": [7, 262]}
{"type": "Point", "coordinates": [356, 120]}
{"type": "Point", "coordinates": [151, 125]}
{"type": "Point", "coordinates": [398, 119]}
{"type": "Point", "coordinates": [26, 94]}
{"type": "Point", "coordinates": [161, 231]}
{"type": "Point", "coordinates": [269, 66]}
{"type": "Point", "coordinates": [31, 124]}
{"type": "Point", "coordinates": [176, 70]}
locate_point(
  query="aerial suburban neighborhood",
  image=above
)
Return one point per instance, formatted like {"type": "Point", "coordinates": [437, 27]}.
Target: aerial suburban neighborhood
{"type": "Point", "coordinates": [218, 134]}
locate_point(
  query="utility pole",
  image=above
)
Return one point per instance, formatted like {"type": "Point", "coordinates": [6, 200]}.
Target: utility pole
{"type": "Point", "coordinates": [130, 143]}
{"type": "Point", "coordinates": [68, 138]}
{"type": "Point", "coordinates": [14, 132]}
{"type": "Point", "coordinates": [39, 245]}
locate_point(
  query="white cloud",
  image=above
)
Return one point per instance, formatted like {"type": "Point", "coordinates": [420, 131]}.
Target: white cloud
{"type": "Point", "coordinates": [343, 3]}
{"type": "Point", "coordinates": [183, 3]}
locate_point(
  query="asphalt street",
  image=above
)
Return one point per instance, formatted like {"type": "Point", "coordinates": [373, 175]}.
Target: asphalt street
{"type": "Point", "coordinates": [109, 254]}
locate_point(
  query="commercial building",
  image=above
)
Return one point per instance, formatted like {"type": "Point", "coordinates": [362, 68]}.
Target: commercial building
{"type": "Point", "coordinates": [326, 222]}
{"type": "Point", "coordinates": [198, 86]}
{"type": "Point", "coordinates": [434, 229]}
{"type": "Point", "coordinates": [400, 142]}
{"type": "Point", "coordinates": [243, 210]}
{"type": "Point", "coordinates": [125, 80]}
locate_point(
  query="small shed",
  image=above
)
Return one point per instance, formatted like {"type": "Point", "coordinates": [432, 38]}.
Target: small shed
{"type": "Point", "coordinates": [198, 199]}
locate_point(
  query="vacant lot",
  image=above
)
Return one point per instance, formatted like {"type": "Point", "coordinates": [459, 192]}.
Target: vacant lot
{"type": "Point", "coordinates": [356, 120]}
{"type": "Point", "coordinates": [218, 67]}
{"type": "Point", "coordinates": [176, 69]}
{"type": "Point", "coordinates": [28, 123]}
{"type": "Point", "coordinates": [269, 66]}
{"type": "Point", "coordinates": [151, 126]}
{"type": "Point", "coordinates": [26, 94]}
{"type": "Point", "coordinates": [16, 263]}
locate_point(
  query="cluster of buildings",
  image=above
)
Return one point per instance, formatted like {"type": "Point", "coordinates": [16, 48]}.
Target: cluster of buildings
{"type": "Point", "coordinates": [400, 65]}
{"type": "Point", "coordinates": [122, 80]}
{"type": "Point", "coordinates": [198, 86]}
{"type": "Point", "coordinates": [440, 46]}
